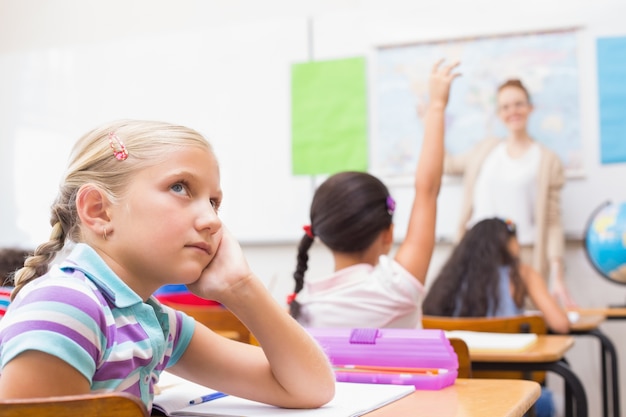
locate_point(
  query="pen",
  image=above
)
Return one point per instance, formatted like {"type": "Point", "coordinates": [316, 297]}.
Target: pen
{"type": "Point", "coordinates": [206, 398]}
{"type": "Point", "coordinates": [388, 369]}
{"type": "Point", "coordinates": [381, 378]}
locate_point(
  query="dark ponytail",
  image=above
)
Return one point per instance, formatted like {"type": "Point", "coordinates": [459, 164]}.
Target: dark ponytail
{"type": "Point", "coordinates": [298, 276]}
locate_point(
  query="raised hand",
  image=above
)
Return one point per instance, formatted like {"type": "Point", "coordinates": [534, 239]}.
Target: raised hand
{"type": "Point", "coordinates": [440, 80]}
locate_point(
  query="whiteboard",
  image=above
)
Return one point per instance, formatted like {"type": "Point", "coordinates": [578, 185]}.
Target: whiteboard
{"type": "Point", "coordinates": [231, 83]}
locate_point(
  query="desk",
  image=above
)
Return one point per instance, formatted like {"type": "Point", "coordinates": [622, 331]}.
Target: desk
{"type": "Point", "coordinates": [588, 325]}
{"type": "Point", "coordinates": [544, 355]}
{"type": "Point", "coordinates": [609, 313]}
{"type": "Point", "coordinates": [467, 398]}
{"type": "Point", "coordinates": [229, 334]}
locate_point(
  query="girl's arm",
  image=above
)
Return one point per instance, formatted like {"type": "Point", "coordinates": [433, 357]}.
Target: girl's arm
{"type": "Point", "coordinates": [416, 250]}
{"type": "Point", "coordinates": [37, 374]}
{"type": "Point", "coordinates": [288, 370]}
{"type": "Point", "coordinates": [555, 317]}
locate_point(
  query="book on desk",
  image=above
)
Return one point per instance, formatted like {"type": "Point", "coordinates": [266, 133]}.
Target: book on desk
{"type": "Point", "coordinates": [488, 341]}
{"type": "Point", "coordinates": [351, 400]}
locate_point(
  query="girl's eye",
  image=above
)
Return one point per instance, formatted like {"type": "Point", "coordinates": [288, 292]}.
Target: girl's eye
{"type": "Point", "coordinates": [215, 204]}
{"type": "Point", "coordinates": [179, 188]}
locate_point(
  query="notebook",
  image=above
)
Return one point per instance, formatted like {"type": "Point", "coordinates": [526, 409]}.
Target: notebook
{"type": "Point", "coordinates": [486, 341]}
{"type": "Point", "coordinates": [351, 399]}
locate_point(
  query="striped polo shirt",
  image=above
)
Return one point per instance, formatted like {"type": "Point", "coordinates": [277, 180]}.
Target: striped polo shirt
{"type": "Point", "coordinates": [84, 314]}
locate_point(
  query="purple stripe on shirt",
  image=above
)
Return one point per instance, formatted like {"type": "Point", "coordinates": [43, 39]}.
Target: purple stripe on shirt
{"type": "Point", "coordinates": [130, 333]}
{"type": "Point", "coordinates": [36, 325]}
{"type": "Point", "coordinates": [119, 369]}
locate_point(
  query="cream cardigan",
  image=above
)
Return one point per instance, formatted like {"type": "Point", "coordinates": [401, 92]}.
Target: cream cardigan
{"type": "Point", "coordinates": [549, 239]}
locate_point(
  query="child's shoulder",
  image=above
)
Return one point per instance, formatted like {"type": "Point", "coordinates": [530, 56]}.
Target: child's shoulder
{"type": "Point", "coordinates": [58, 290]}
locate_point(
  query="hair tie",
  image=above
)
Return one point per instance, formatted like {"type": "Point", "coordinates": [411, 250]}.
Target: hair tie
{"type": "Point", "coordinates": [119, 149]}
{"type": "Point", "coordinates": [308, 230]}
{"type": "Point", "coordinates": [391, 205]}
{"type": "Point", "coordinates": [510, 225]}
{"type": "Point", "coordinates": [291, 297]}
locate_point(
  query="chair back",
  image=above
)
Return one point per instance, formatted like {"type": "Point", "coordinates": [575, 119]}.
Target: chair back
{"type": "Point", "coordinates": [462, 353]}
{"type": "Point", "coordinates": [111, 404]}
{"type": "Point", "coordinates": [513, 324]}
{"type": "Point", "coordinates": [217, 318]}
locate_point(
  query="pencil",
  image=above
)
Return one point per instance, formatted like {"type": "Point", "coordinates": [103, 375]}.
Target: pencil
{"type": "Point", "coordinates": [388, 369]}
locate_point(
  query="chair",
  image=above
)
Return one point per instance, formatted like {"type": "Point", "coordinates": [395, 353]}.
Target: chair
{"type": "Point", "coordinates": [513, 324]}
{"type": "Point", "coordinates": [111, 404]}
{"type": "Point", "coordinates": [462, 353]}
{"type": "Point", "coordinates": [218, 319]}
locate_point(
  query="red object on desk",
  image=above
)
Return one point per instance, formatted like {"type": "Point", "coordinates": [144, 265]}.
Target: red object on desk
{"type": "Point", "coordinates": [179, 294]}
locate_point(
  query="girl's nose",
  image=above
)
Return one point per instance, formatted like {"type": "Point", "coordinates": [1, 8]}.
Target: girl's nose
{"type": "Point", "coordinates": [208, 219]}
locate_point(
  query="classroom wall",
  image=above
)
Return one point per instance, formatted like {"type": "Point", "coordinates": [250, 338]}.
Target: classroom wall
{"type": "Point", "coordinates": [225, 70]}
{"type": "Point", "coordinates": [61, 64]}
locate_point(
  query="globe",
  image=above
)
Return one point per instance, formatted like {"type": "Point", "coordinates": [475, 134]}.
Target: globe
{"type": "Point", "coordinates": [605, 241]}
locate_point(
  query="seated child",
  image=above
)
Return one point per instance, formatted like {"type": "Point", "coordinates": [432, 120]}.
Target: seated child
{"type": "Point", "coordinates": [351, 214]}
{"type": "Point", "coordinates": [139, 204]}
{"type": "Point", "coordinates": [484, 278]}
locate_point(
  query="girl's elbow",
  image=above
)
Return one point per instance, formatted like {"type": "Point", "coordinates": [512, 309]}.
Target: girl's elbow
{"type": "Point", "coordinates": [326, 393]}
{"type": "Point", "coordinates": [562, 327]}
{"type": "Point", "coordinates": [321, 395]}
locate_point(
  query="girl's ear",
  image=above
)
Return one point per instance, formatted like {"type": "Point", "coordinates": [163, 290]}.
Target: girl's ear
{"type": "Point", "coordinates": [387, 238]}
{"type": "Point", "coordinates": [92, 208]}
{"type": "Point", "coordinates": [389, 234]}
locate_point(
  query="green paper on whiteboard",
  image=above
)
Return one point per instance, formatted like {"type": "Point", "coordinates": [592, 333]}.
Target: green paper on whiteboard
{"type": "Point", "coordinates": [328, 117]}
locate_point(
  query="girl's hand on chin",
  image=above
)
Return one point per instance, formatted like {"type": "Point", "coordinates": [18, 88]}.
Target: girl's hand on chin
{"type": "Point", "coordinates": [228, 270]}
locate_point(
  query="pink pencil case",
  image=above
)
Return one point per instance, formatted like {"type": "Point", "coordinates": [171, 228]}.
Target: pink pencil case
{"type": "Point", "coordinates": [359, 354]}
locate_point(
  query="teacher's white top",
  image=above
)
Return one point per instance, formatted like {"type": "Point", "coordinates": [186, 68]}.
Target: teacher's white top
{"type": "Point", "coordinates": [507, 187]}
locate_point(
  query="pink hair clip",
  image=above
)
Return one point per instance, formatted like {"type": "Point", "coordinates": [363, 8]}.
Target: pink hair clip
{"type": "Point", "coordinates": [308, 230]}
{"type": "Point", "coordinates": [119, 150]}
{"type": "Point", "coordinates": [291, 297]}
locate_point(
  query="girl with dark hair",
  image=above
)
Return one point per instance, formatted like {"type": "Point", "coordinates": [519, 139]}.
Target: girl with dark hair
{"type": "Point", "coordinates": [484, 278]}
{"type": "Point", "coordinates": [351, 213]}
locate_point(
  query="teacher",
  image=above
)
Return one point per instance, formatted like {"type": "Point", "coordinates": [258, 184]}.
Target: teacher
{"type": "Point", "coordinates": [517, 178]}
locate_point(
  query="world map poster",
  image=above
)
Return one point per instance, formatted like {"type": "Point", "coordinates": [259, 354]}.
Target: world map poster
{"type": "Point", "coordinates": [545, 62]}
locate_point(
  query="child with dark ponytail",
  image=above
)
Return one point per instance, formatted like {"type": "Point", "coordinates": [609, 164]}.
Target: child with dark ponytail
{"type": "Point", "coordinates": [352, 214]}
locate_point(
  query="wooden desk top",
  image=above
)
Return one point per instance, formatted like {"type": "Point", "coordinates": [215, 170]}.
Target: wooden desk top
{"type": "Point", "coordinates": [547, 348]}
{"type": "Point", "coordinates": [587, 322]}
{"type": "Point", "coordinates": [607, 312]}
{"type": "Point", "coordinates": [467, 398]}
